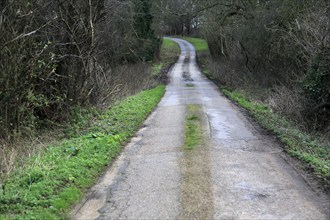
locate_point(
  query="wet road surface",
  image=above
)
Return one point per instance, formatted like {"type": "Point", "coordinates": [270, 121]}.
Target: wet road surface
{"type": "Point", "coordinates": [249, 178]}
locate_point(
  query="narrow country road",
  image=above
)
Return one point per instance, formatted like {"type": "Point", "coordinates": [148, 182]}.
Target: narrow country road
{"type": "Point", "coordinates": [239, 173]}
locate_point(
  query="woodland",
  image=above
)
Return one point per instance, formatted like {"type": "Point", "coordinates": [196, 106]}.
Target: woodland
{"type": "Point", "coordinates": [59, 57]}
{"type": "Point", "coordinates": [79, 77]}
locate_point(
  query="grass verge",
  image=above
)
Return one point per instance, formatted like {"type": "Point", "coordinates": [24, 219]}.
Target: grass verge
{"type": "Point", "coordinates": [52, 181]}
{"type": "Point", "coordinates": [193, 128]}
{"type": "Point", "coordinates": [296, 143]}
{"type": "Point", "coordinates": [170, 47]}
{"type": "Point", "coordinates": [169, 53]}
{"type": "Point", "coordinates": [199, 44]}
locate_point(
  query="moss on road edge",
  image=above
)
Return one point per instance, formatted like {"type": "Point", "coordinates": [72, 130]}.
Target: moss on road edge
{"type": "Point", "coordinates": [196, 186]}
{"type": "Point", "coordinates": [50, 183]}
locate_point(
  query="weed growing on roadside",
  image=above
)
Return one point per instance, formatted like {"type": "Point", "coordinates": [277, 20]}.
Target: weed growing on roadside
{"type": "Point", "coordinates": [199, 44]}
{"type": "Point", "coordinates": [49, 183]}
{"type": "Point", "coordinates": [193, 128]}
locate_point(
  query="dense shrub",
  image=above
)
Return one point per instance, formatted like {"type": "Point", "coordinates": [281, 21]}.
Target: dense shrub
{"type": "Point", "coordinates": [55, 54]}
{"type": "Point", "coordinates": [277, 46]}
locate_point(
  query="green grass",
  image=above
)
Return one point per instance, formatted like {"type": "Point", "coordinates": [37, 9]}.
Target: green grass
{"type": "Point", "coordinates": [191, 139]}
{"type": "Point", "coordinates": [170, 45]}
{"type": "Point", "coordinates": [156, 68]}
{"type": "Point", "coordinates": [199, 44]}
{"type": "Point", "coordinates": [296, 142]}
{"type": "Point", "coordinates": [51, 182]}
{"type": "Point", "coordinates": [193, 128]}
{"type": "Point", "coordinates": [169, 53]}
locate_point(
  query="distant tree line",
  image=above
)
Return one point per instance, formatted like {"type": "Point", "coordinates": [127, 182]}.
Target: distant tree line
{"type": "Point", "coordinates": [54, 54]}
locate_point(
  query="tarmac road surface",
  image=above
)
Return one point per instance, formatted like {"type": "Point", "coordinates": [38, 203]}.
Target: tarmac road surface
{"type": "Point", "coordinates": [249, 175]}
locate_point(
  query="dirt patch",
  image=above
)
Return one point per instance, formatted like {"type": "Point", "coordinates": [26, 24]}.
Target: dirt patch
{"type": "Point", "coordinates": [186, 76]}
{"type": "Point", "coordinates": [163, 76]}
{"type": "Point", "coordinates": [196, 190]}
{"type": "Point", "coordinates": [185, 71]}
